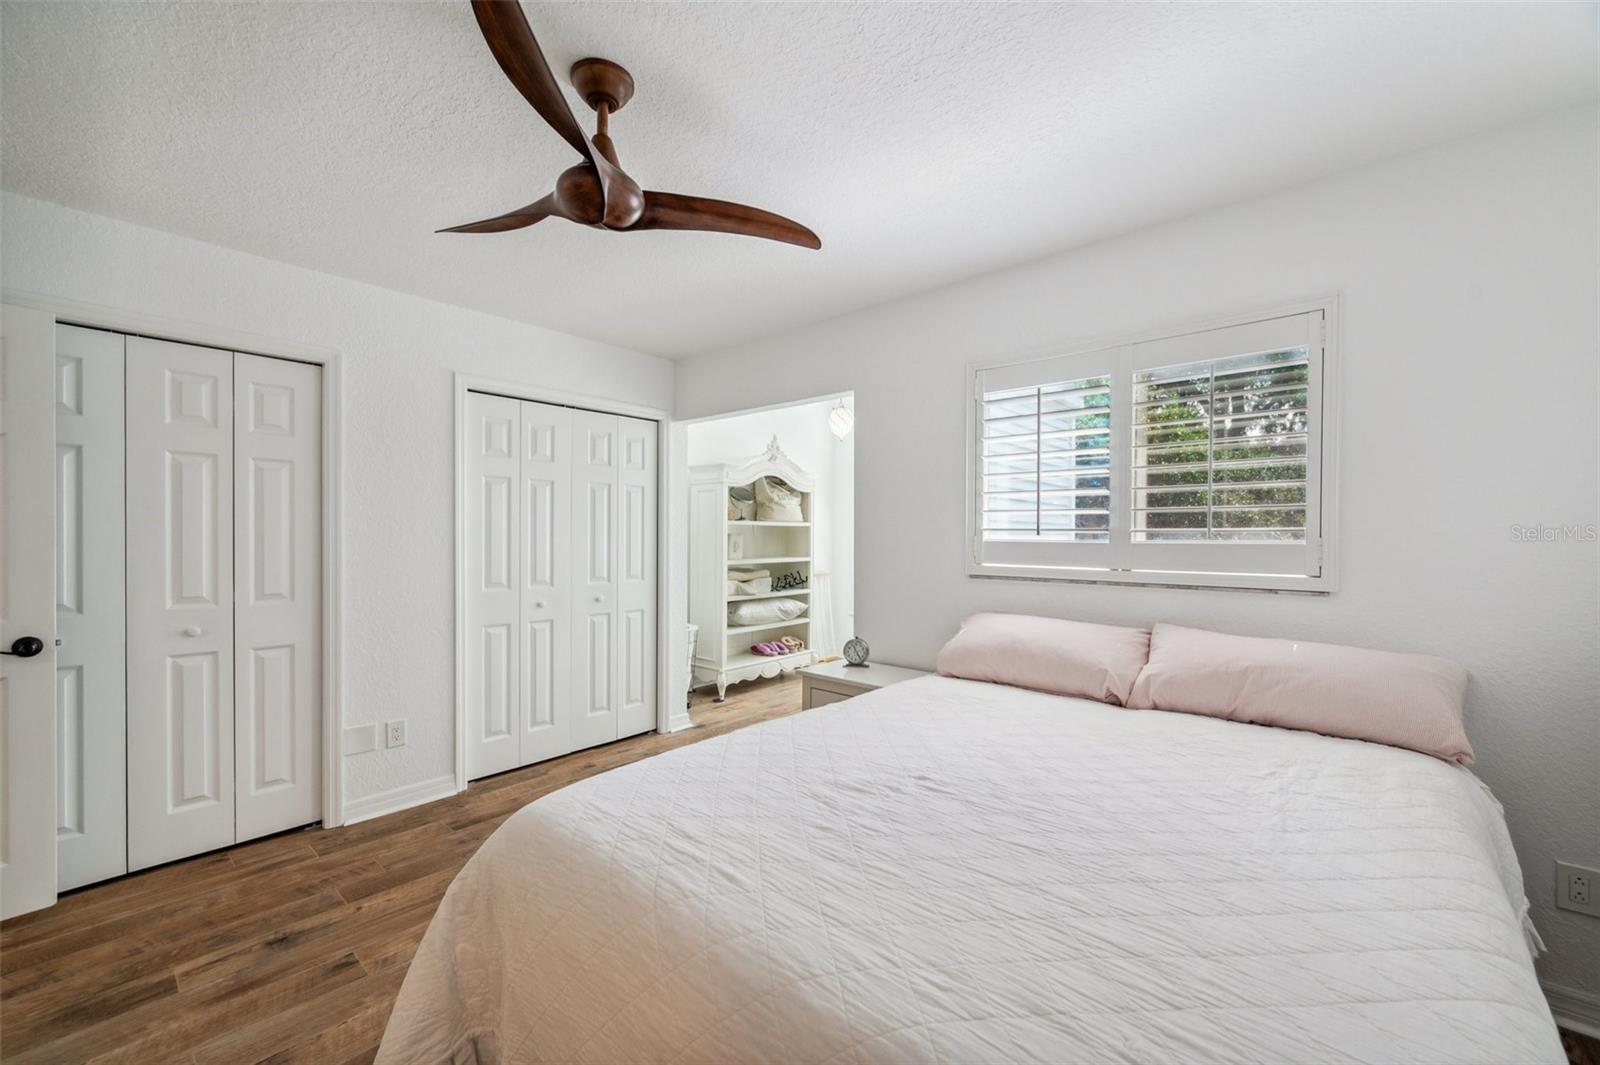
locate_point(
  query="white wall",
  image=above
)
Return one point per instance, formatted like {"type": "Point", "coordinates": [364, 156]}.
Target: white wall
{"type": "Point", "coordinates": [399, 354]}
{"type": "Point", "coordinates": [803, 432]}
{"type": "Point", "coordinates": [1468, 274]}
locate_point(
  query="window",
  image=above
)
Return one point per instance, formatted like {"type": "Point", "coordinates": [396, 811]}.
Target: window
{"type": "Point", "coordinates": [1197, 458]}
{"type": "Point", "coordinates": [1047, 462]}
{"type": "Point", "coordinates": [1219, 450]}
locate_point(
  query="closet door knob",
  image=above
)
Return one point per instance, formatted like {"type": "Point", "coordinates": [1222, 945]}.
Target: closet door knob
{"type": "Point", "coordinates": [539, 605]}
{"type": "Point", "coordinates": [25, 647]}
{"type": "Point", "coordinates": [599, 598]}
{"type": "Point", "coordinates": [192, 630]}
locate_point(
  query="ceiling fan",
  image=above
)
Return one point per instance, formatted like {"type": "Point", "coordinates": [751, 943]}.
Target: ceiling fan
{"type": "Point", "coordinates": [596, 192]}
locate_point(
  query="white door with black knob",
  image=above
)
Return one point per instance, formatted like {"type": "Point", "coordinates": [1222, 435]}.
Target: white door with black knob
{"type": "Point", "coordinates": [162, 548]}
{"type": "Point", "coordinates": [27, 611]}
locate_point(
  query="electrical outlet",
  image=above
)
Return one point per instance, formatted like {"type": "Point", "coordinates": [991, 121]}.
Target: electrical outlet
{"type": "Point", "coordinates": [394, 733]}
{"type": "Point", "coordinates": [1578, 889]}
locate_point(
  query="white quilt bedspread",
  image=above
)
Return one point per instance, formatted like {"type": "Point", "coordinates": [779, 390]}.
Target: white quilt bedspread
{"type": "Point", "coordinates": [945, 870]}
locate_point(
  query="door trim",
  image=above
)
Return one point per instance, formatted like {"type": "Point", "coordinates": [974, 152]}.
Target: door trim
{"type": "Point", "coordinates": [157, 327]}
{"type": "Point", "coordinates": [465, 383]}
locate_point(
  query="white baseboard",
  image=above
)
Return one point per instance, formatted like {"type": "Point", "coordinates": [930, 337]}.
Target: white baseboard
{"type": "Point", "coordinates": [678, 720]}
{"type": "Point", "coordinates": [1575, 1010]}
{"type": "Point", "coordinates": [396, 799]}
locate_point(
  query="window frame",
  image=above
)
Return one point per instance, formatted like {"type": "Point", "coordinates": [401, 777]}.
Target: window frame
{"type": "Point", "coordinates": [1115, 563]}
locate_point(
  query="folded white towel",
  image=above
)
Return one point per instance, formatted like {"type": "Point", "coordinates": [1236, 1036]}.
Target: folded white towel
{"type": "Point", "coordinates": [747, 574]}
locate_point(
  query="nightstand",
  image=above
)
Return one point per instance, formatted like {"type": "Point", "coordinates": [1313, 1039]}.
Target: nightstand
{"type": "Point", "coordinates": [831, 682]}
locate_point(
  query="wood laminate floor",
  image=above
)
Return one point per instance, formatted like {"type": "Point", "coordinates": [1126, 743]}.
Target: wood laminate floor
{"type": "Point", "coordinates": [290, 949]}
{"type": "Point", "coordinates": [1581, 1049]}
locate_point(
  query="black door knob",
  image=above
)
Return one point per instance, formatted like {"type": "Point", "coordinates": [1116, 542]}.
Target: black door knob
{"type": "Point", "coordinates": [25, 647]}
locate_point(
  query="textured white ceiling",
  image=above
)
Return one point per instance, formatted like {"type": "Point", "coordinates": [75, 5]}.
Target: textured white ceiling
{"type": "Point", "coordinates": [923, 142]}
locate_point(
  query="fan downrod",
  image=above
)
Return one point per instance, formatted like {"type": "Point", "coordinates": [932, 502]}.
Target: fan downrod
{"type": "Point", "coordinates": [600, 81]}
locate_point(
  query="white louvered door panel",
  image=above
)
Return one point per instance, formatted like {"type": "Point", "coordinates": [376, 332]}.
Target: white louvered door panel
{"type": "Point", "coordinates": [595, 458]}
{"type": "Point", "coordinates": [636, 577]}
{"type": "Point", "coordinates": [493, 530]}
{"type": "Point", "coordinates": [277, 549]}
{"type": "Point", "coordinates": [91, 663]}
{"type": "Point", "coordinates": [27, 608]}
{"type": "Point", "coordinates": [545, 641]}
{"type": "Point", "coordinates": [180, 600]}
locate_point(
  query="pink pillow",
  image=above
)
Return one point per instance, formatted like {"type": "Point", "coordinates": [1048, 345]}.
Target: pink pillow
{"type": "Point", "coordinates": [1048, 655]}
{"type": "Point", "coordinates": [1411, 701]}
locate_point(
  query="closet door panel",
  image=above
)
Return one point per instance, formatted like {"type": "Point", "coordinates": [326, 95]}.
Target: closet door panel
{"type": "Point", "coordinates": [277, 547]}
{"type": "Point", "coordinates": [636, 577]}
{"type": "Point", "coordinates": [180, 584]}
{"type": "Point", "coordinates": [545, 648]}
{"type": "Point", "coordinates": [91, 662]}
{"type": "Point", "coordinates": [596, 454]}
{"type": "Point", "coordinates": [27, 608]}
{"type": "Point", "coordinates": [493, 574]}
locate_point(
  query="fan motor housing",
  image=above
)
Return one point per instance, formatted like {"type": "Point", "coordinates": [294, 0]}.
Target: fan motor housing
{"type": "Point", "coordinates": [600, 81]}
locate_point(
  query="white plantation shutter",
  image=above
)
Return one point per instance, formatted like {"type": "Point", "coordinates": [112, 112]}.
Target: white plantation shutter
{"type": "Point", "coordinates": [1047, 462]}
{"type": "Point", "coordinates": [1193, 458]}
{"type": "Point", "coordinates": [1219, 450]}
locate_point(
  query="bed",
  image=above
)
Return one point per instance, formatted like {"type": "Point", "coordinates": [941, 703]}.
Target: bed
{"type": "Point", "coordinates": [948, 870]}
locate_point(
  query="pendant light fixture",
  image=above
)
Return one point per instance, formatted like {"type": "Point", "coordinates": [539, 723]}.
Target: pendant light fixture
{"type": "Point", "coordinates": [841, 419]}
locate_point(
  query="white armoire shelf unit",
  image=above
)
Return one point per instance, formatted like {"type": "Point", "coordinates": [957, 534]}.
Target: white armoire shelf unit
{"type": "Point", "coordinates": [722, 652]}
{"type": "Point", "coordinates": [560, 569]}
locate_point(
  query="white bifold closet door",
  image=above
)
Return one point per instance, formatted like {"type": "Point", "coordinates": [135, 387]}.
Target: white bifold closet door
{"type": "Point", "coordinates": [545, 581]}
{"type": "Point", "coordinates": [180, 600]}
{"type": "Point", "coordinates": [493, 561]}
{"type": "Point", "coordinates": [560, 560]}
{"type": "Point", "coordinates": [91, 698]}
{"type": "Point", "coordinates": [635, 586]}
{"type": "Point", "coordinates": [224, 560]}
{"type": "Point", "coordinates": [594, 614]}
{"type": "Point", "coordinates": [277, 550]}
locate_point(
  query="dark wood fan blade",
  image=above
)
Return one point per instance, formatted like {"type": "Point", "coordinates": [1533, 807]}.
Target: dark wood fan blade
{"type": "Point", "coordinates": [537, 211]}
{"type": "Point", "coordinates": [668, 210]}
{"type": "Point", "coordinates": [511, 40]}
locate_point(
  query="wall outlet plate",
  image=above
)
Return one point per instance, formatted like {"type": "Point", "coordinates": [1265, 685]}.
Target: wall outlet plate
{"type": "Point", "coordinates": [1578, 889]}
{"type": "Point", "coordinates": [359, 739]}
{"type": "Point", "coordinates": [394, 733]}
